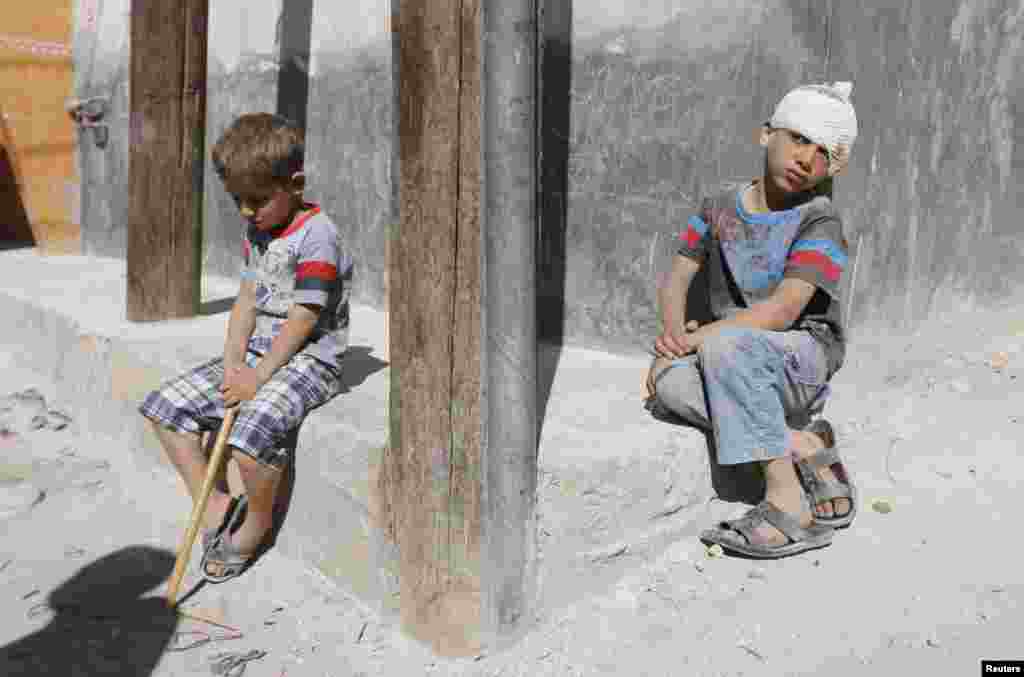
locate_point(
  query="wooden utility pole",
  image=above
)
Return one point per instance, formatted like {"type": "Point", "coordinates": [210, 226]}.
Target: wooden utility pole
{"type": "Point", "coordinates": [458, 479]}
{"type": "Point", "coordinates": [294, 30]}
{"type": "Point", "coordinates": [166, 156]}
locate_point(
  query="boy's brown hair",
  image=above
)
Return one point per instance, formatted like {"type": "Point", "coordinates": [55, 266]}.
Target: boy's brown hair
{"type": "Point", "coordinates": [259, 151]}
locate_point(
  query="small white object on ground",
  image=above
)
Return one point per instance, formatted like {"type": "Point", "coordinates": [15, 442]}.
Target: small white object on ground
{"type": "Point", "coordinates": [882, 505]}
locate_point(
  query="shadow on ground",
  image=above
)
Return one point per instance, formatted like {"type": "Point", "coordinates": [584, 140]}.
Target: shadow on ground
{"type": "Point", "coordinates": [99, 623]}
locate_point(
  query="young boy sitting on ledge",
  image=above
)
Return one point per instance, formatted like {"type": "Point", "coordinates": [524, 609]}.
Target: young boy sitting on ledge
{"type": "Point", "coordinates": [285, 341]}
{"type": "Point", "coordinates": [756, 376]}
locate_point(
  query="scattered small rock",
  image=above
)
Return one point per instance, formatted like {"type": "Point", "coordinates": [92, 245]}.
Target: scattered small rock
{"type": "Point", "coordinates": [19, 497]}
{"type": "Point", "coordinates": [698, 566]}
{"type": "Point", "coordinates": [881, 505]}
{"type": "Point", "coordinates": [933, 643]}
{"type": "Point", "coordinates": [816, 563]}
{"type": "Point", "coordinates": [757, 574]}
{"type": "Point", "coordinates": [960, 386]}
{"type": "Point", "coordinates": [609, 553]}
{"type": "Point", "coordinates": [73, 551]}
{"type": "Point", "coordinates": [88, 485]}
{"type": "Point", "coordinates": [30, 594]}
{"type": "Point", "coordinates": [752, 651]}
{"type": "Point", "coordinates": [1000, 361]}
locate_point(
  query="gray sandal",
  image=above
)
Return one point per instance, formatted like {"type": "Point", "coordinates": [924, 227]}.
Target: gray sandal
{"type": "Point", "coordinates": [220, 550]}
{"type": "Point", "coordinates": [234, 504]}
{"type": "Point", "coordinates": [735, 535]}
{"type": "Point", "coordinates": [819, 490]}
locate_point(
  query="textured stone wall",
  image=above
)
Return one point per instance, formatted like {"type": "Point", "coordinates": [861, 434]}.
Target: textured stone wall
{"type": "Point", "coordinates": [664, 101]}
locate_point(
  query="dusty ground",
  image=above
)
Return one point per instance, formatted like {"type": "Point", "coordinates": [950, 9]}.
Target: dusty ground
{"type": "Point", "coordinates": [931, 423]}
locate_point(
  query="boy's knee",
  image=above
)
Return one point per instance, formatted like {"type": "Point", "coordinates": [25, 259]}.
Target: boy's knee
{"type": "Point", "coordinates": [251, 467]}
{"type": "Point", "coordinates": [728, 346]}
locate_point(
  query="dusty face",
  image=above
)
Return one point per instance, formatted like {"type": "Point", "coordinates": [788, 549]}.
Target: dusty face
{"type": "Point", "coordinates": [794, 163]}
{"type": "Point", "coordinates": [266, 206]}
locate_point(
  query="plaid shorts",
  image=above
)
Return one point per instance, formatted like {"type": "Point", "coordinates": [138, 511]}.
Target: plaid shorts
{"type": "Point", "coordinates": [193, 403]}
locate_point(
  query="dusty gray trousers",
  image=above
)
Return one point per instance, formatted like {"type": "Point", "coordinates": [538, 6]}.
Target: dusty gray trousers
{"type": "Point", "coordinates": [747, 387]}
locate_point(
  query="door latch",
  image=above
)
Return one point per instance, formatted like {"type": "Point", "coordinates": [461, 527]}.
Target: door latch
{"type": "Point", "coordinates": [87, 114]}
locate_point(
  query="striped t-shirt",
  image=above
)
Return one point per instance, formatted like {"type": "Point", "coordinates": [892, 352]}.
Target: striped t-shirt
{"type": "Point", "coordinates": [301, 263]}
{"type": "Point", "coordinates": [749, 254]}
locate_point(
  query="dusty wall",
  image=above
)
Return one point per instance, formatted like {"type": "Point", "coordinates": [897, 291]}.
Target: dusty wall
{"type": "Point", "coordinates": [349, 111]}
{"type": "Point", "coordinates": [664, 98]}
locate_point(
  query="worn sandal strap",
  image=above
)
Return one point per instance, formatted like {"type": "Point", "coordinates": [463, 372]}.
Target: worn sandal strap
{"type": "Point", "coordinates": [828, 491]}
{"type": "Point", "coordinates": [823, 429]}
{"type": "Point", "coordinates": [784, 522]}
{"type": "Point", "coordinates": [823, 458]}
{"type": "Point", "coordinates": [766, 512]}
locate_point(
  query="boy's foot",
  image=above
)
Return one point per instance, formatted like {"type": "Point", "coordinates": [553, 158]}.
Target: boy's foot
{"type": "Point", "coordinates": [807, 444]}
{"type": "Point", "coordinates": [228, 553]}
{"type": "Point", "coordinates": [768, 532]}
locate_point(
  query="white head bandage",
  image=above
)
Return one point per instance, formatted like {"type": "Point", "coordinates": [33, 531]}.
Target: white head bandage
{"type": "Point", "coordinates": [824, 114]}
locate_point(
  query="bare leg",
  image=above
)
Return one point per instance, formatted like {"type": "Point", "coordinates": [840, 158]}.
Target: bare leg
{"type": "Point", "coordinates": [782, 487]}
{"type": "Point", "coordinates": [261, 483]}
{"type": "Point", "coordinates": [783, 490]}
{"type": "Point", "coordinates": [185, 452]}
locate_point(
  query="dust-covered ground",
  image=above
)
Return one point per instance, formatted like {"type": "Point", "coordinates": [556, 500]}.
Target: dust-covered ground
{"type": "Point", "coordinates": [931, 424]}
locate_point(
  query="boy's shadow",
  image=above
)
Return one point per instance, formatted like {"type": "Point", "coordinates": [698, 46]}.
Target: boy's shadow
{"type": "Point", "coordinates": [101, 624]}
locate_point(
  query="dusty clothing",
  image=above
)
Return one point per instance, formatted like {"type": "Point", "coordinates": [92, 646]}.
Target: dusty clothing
{"type": "Point", "coordinates": [749, 254]}
{"type": "Point", "coordinates": [745, 386]}
{"type": "Point", "coordinates": [193, 403]}
{"type": "Point", "coordinates": [302, 263]}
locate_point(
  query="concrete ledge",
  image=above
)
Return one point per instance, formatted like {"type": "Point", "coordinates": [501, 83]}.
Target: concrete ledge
{"type": "Point", "coordinates": [68, 325]}
{"type": "Point", "coordinates": [609, 474]}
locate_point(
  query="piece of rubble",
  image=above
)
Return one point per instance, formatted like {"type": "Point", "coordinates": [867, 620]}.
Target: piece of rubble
{"type": "Point", "coordinates": [608, 553]}
{"type": "Point", "coordinates": [18, 497]}
{"type": "Point", "coordinates": [714, 551]}
{"type": "Point", "coordinates": [881, 505]}
{"type": "Point", "coordinates": [1000, 361]}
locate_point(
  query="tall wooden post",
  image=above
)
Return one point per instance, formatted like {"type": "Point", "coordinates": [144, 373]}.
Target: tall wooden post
{"type": "Point", "coordinates": [166, 156]}
{"type": "Point", "coordinates": [459, 475]}
{"type": "Point", "coordinates": [295, 26]}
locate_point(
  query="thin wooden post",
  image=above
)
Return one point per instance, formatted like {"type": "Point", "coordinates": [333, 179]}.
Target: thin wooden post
{"type": "Point", "coordinates": [295, 25]}
{"type": "Point", "coordinates": [458, 476]}
{"type": "Point", "coordinates": [166, 158]}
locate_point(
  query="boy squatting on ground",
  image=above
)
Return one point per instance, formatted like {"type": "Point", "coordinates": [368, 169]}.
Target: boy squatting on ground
{"type": "Point", "coordinates": [775, 252]}
{"type": "Point", "coordinates": [286, 337]}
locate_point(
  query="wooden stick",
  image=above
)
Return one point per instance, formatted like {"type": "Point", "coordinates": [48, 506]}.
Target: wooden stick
{"type": "Point", "coordinates": [853, 283]}
{"type": "Point", "coordinates": [200, 506]}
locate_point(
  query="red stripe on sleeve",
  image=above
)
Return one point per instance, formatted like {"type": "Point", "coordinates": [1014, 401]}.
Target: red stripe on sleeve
{"type": "Point", "coordinates": [317, 269]}
{"type": "Point", "coordinates": [691, 237]}
{"type": "Point", "coordinates": [819, 261]}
